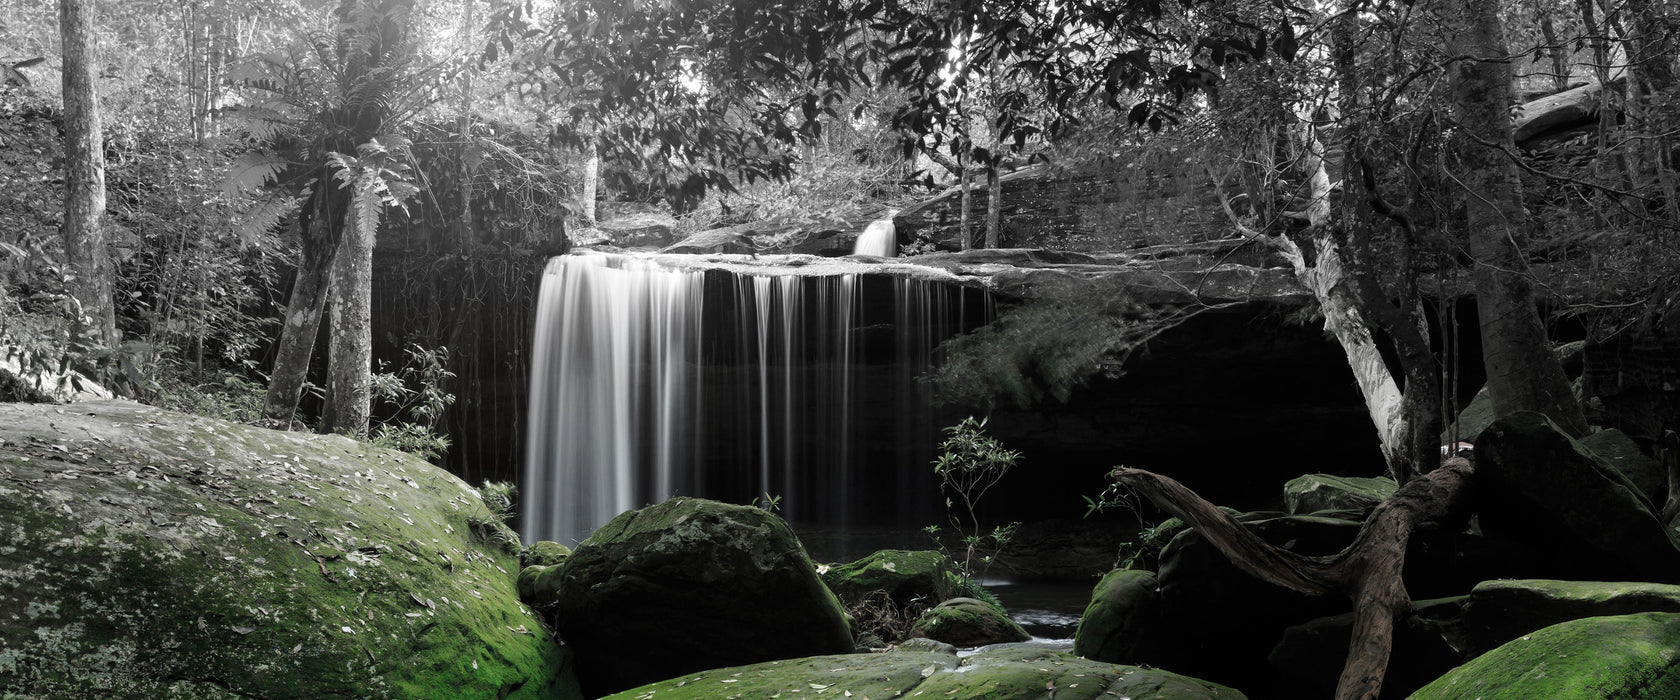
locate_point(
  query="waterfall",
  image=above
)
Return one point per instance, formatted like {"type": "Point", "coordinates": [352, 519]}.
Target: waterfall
{"type": "Point", "coordinates": [879, 238]}
{"type": "Point", "coordinates": [649, 380]}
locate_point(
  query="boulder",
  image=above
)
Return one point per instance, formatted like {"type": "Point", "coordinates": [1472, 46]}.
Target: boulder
{"type": "Point", "coordinates": [1616, 450]}
{"type": "Point", "coordinates": [545, 553]}
{"type": "Point", "coordinates": [1535, 484]}
{"type": "Point", "coordinates": [713, 242]}
{"type": "Point", "coordinates": [1315, 492]}
{"type": "Point", "coordinates": [966, 622]}
{"type": "Point", "coordinates": [1011, 672]}
{"type": "Point", "coordinates": [1500, 611]}
{"type": "Point", "coordinates": [687, 585]}
{"type": "Point", "coordinates": [906, 576]}
{"type": "Point", "coordinates": [151, 554]}
{"type": "Point", "coordinates": [637, 230]}
{"type": "Point", "coordinates": [1123, 618]}
{"type": "Point", "coordinates": [1624, 657]}
{"type": "Point", "coordinates": [539, 584]}
{"type": "Point", "coordinates": [1426, 644]}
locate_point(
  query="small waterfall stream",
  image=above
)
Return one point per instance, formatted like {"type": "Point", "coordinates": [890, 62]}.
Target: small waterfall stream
{"type": "Point", "coordinates": [650, 381]}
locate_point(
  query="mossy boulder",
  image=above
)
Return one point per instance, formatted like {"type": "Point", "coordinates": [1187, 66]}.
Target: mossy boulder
{"type": "Point", "coordinates": [545, 553]}
{"type": "Point", "coordinates": [688, 585]}
{"type": "Point", "coordinates": [1500, 611]}
{"type": "Point", "coordinates": [906, 576]}
{"type": "Point", "coordinates": [1123, 618]}
{"type": "Point", "coordinates": [966, 622]}
{"type": "Point", "coordinates": [1623, 657]}
{"type": "Point", "coordinates": [148, 554]}
{"type": "Point", "coordinates": [1535, 484]}
{"type": "Point", "coordinates": [1009, 672]}
{"type": "Point", "coordinates": [1318, 492]}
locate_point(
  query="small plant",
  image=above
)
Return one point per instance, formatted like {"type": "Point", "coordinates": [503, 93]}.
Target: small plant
{"type": "Point", "coordinates": [415, 399]}
{"type": "Point", "coordinates": [970, 463]}
{"type": "Point", "coordinates": [767, 503]}
{"type": "Point", "coordinates": [498, 497]}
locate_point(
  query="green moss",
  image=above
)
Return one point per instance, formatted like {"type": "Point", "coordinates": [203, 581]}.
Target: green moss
{"type": "Point", "coordinates": [1623, 657]}
{"type": "Point", "coordinates": [1014, 672]}
{"type": "Point", "coordinates": [151, 553]}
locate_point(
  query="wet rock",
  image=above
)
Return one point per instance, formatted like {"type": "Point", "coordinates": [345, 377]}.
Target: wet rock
{"type": "Point", "coordinates": [545, 553]}
{"type": "Point", "coordinates": [905, 576]}
{"type": "Point", "coordinates": [1123, 619]}
{"type": "Point", "coordinates": [966, 622]}
{"type": "Point", "coordinates": [691, 584]}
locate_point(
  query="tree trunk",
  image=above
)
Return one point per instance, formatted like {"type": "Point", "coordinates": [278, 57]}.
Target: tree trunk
{"type": "Point", "coordinates": [591, 182]}
{"type": "Point", "coordinates": [1523, 373]}
{"type": "Point", "coordinates": [966, 215]}
{"type": "Point", "coordinates": [994, 207]}
{"type": "Point", "coordinates": [318, 224]}
{"type": "Point", "coordinates": [350, 335]}
{"type": "Point", "coordinates": [463, 172]}
{"type": "Point", "coordinates": [84, 179]}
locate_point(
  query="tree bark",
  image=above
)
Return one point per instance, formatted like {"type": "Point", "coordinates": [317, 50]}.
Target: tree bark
{"type": "Point", "coordinates": [84, 179]}
{"type": "Point", "coordinates": [1523, 373]}
{"type": "Point", "coordinates": [350, 334]}
{"type": "Point", "coordinates": [463, 171]}
{"type": "Point", "coordinates": [1368, 571]}
{"type": "Point", "coordinates": [994, 208]}
{"type": "Point", "coordinates": [318, 225]}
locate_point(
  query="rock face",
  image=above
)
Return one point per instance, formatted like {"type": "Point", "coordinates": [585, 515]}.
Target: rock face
{"type": "Point", "coordinates": [1123, 618]}
{"type": "Point", "coordinates": [1624, 657]}
{"type": "Point", "coordinates": [148, 554]}
{"type": "Point", "coordinates": [1500, 611]}
{"type": "Point", "coordinates": [1316, 492]}
{"type": "Point", "coordinates": [688, 585]}
{"type": "Point", "coordinates": [1535, 484]}
{"type": "Point", "coordinates": [1008, 672]}
{"type": "Point", "coordinates": [966, 622]}
{"type": "Point", "coordinates": [906, 576]}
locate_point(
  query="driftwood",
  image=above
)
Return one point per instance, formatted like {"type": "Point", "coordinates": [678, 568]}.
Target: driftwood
{"type": "Point", "coordinates": [1368, 571]}
{"type": "Point", "coordinates": [1577, 105]}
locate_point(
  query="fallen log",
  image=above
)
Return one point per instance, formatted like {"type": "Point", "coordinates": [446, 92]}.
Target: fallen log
{"type": "Point", "coordinates": [1368, 571]}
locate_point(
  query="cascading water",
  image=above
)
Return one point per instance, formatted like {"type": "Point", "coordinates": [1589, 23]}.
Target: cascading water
{"type": "Point", "coordinates": [650, 381]}
{"type": "Point", "coordinates": [879, 238]}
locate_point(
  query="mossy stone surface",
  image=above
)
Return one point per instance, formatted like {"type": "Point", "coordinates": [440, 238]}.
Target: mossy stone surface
{"type": "Point", "coordinates": [966, 622]}
{"type": "Point", "coordinates": [1623, 657]}
{"type": "Point", "coordinates": [1009, 672]}
{"type": "Point", "coordinates": [687, 585]}
{"type": "Point", "coordinates": [1311, 493]}
{"type": "Point", "coordinates": [1122, 618]}
{"type": "Point", "coordinates": [1500, 611]}
{"type": "Point", "coordinates": [905, 575]}
{"type": "Point", "coordinates": [147, 554]}
{"type": "Point", "coordinates": [546, 553]}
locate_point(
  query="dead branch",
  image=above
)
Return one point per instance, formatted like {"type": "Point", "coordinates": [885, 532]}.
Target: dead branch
{"type": "Point", "coordinates": [1368, 571]}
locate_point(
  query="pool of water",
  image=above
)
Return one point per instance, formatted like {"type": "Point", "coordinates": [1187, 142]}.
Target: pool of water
{"type": "Point", "coordinates": [1047, 610]}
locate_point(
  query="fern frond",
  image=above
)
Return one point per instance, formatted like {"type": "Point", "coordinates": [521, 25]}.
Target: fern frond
{"type": "Point", "coordinates": [253, 171]}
